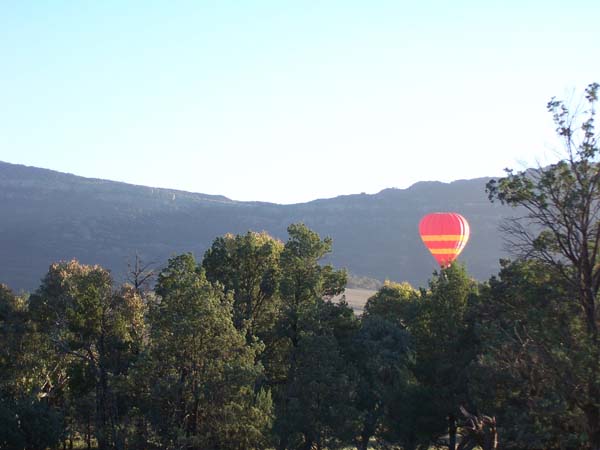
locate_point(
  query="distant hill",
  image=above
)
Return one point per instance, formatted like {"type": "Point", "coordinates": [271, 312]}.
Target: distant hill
{"type": "Point", "coordinates": [47, 216]}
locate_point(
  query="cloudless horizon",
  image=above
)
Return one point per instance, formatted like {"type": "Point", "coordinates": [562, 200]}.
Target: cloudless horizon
{"type": "Point", "coordinates": [288, 102]}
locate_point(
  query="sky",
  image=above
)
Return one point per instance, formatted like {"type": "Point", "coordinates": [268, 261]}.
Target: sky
{"type": "Point", "coordinates": [289, 101]}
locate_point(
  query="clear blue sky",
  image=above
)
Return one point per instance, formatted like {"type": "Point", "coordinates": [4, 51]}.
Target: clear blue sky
{"type": "Point", "coordinates": [288, 101]}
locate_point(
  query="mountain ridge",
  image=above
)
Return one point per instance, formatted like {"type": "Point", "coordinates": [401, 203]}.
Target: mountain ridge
{"type": "Point", "coordinates": [55, 216]}
{"type": "Point", "coordinates": [57, 173]}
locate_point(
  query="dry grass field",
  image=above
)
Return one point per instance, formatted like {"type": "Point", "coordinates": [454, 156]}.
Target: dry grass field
{"type": "Point", "coordinates": [357, 298]}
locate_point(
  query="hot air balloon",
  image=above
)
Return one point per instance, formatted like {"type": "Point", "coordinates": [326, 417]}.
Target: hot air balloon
{"type": "Point", "coordinates": [445, 235]}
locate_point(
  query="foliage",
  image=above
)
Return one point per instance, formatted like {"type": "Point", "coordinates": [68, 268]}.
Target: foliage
{"type": "Point", "coordinates": [27, 418]}
{"type": "Point", "coordinates": [183, 366]}
{"type": "Point", "coordinates": [534, 343]}
{"type": "Point", "coordinates": [96, 333]}
{"type": "Point", "coordinates": [315, 390]}
{"type": "Point", "coordinates": [248, 267]}
{"type": "Point", "coordinates": [563, 202]}
{"type": "Point", "coordinates": [382, 356]}
{"type": "Point", "coordinates": [398, 302]}
{"type": "Point", "coordinates": [198, 360]}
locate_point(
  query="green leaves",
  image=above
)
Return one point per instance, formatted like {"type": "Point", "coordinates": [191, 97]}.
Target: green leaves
{"type": "Point", "coordinates": [542, 335]}
{"type": "Point", "coordinates": [248, 267]}
{"type": "Point", "coordinates": [534, 346]}
{"type": "Point", "coordinates": [198, 359]}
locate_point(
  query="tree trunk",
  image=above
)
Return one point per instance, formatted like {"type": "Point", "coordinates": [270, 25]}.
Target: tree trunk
{"type": "Point", "coordinates": [592, 415]}
{"type": "Point", "coordinates": [451, 432]}
{"type": "Point", "coordinates": [89, 433]}
{"type": "Point", "coordinates": [368, 430]}
{"type": "Point", "coordinates": [308, 445]}
{"type": "Point", "coordinates": [100, 417]}
{"type": "Point", "coordinates": [282, 444]}
{"type": "Point", "coordinates": [362, 443]}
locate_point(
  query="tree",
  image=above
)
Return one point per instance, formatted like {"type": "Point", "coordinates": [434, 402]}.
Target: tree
{"type": "Point", "coordinates": [318, 405]}
{"type": "Point", "coordinates": [400, 408]}
{"type": "Point", "coordinates": [95, 332]}
{"type": "Point", "coordinates": [533, 338]}
{"type": "Point", "coordinates": [311, 402]}
{"type": "Point", "coordinates": [248, 267]}
{"type": "Point", "coordinates": [479, 431]}
{"type": "Point", "coordinates": [201, 373]}
{"type": "Point", "coordinates": [445, 348]}
{"type": "Point", "coordinates": [140, 275]}
{"type": "Point", "coordinates": [381, 354]}
{"type": "Point", "coordinates": [398, 302]}
{"type": "Point", "coordinates": [28, 419]}
{"type": "Point", "coordinates": [304, 282]}
{"type": "Point", "coordinates": [560, 229]}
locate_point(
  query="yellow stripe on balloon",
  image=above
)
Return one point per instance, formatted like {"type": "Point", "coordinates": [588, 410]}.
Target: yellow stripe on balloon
{"type": "Point", "coordinates": [445, 251]}
{"type": "Point", "coordinates": [442, 237]}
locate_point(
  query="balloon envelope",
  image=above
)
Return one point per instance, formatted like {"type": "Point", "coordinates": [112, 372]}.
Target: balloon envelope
{"type": "Point", "coordinates": [445, 235]}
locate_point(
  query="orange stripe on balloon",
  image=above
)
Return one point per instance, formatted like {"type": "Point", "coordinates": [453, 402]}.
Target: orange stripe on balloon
{"type": "Point", "coordinates": [443, 237]}
{"type": "Point", "coordinates": [445, 251]}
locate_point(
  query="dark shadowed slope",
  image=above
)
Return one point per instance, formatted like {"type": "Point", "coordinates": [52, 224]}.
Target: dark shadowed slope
{"type": "Point", "coordinates": [46, 216]}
